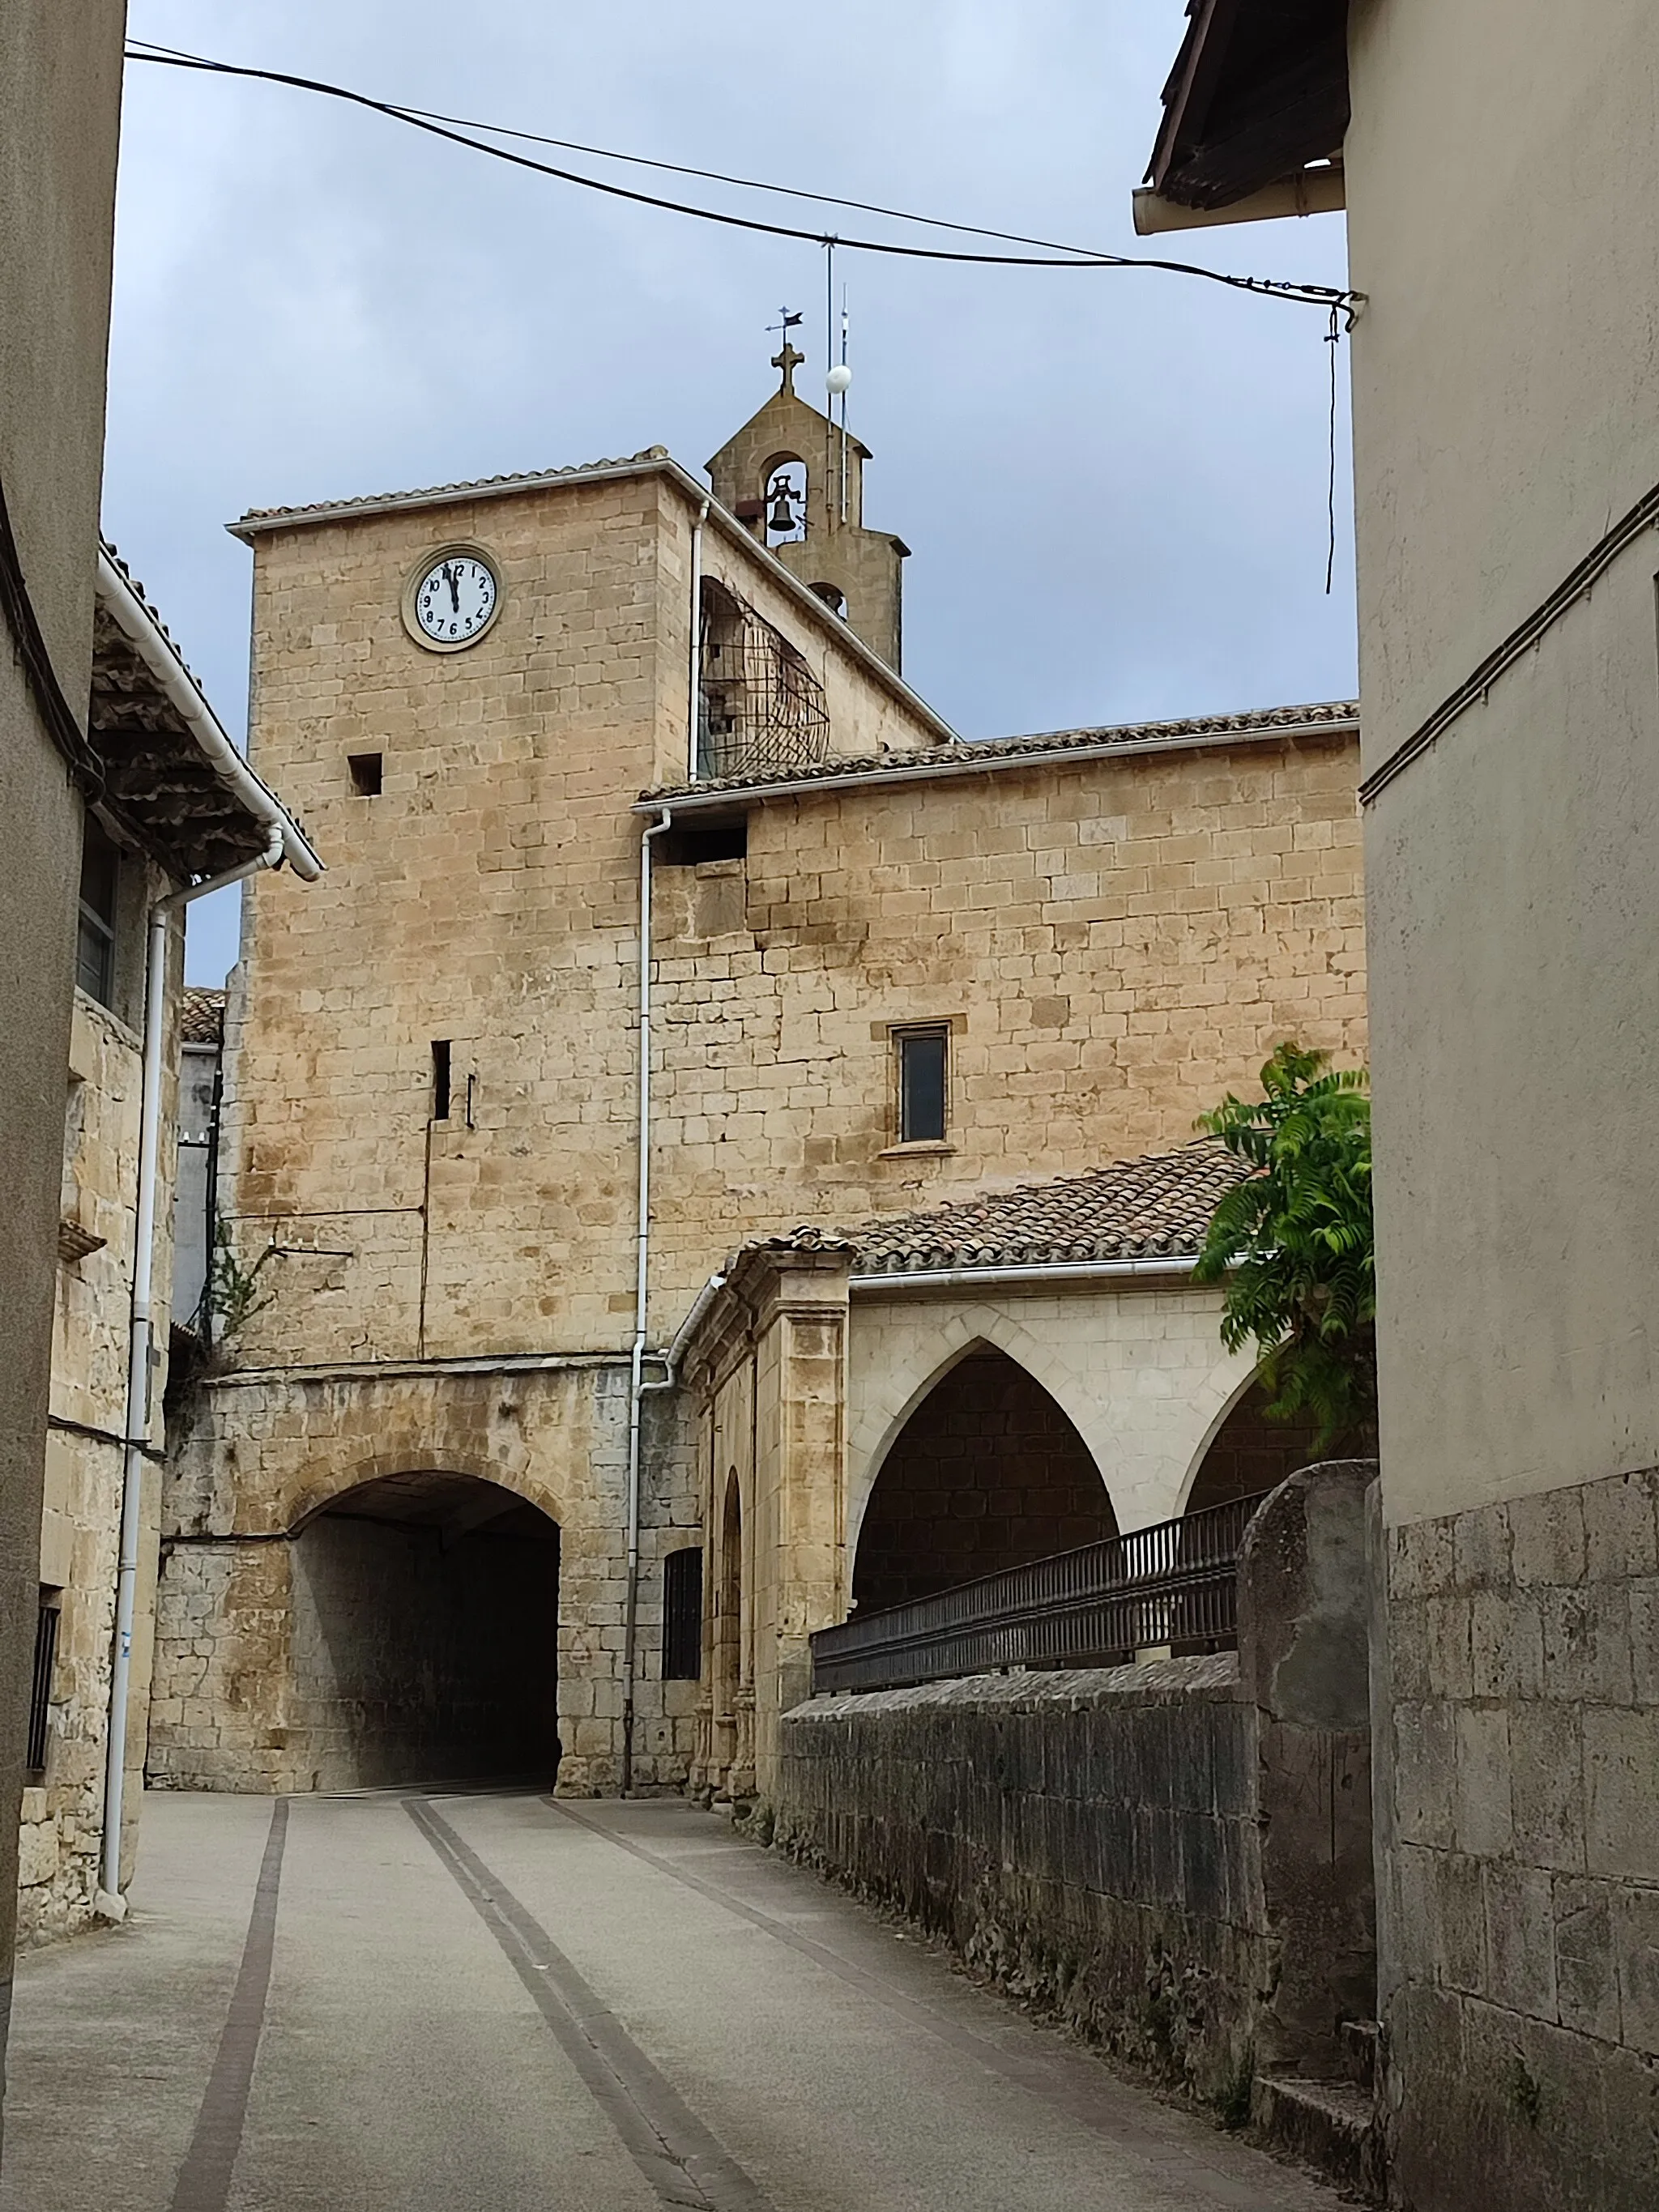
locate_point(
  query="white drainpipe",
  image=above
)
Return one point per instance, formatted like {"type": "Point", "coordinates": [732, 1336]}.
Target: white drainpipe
{"type": "Point", "coordinates": [139, 1341]}
{"type": "Point", "coordinates": [637, 1385]}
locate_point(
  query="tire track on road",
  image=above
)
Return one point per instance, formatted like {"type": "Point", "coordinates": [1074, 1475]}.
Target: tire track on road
{"type": "Point", "coordinates": [1102, 2105]}
{"type": "Point", "coordinates": [676, 2153]}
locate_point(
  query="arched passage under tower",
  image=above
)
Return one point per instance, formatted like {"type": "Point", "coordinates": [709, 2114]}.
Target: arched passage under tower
{"type": "Point", "coordinates": [425, 1617]}
{"type": "Point", "coordinates": [988, 1471]}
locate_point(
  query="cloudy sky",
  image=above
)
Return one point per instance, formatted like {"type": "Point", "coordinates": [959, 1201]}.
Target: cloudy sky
{"type": "Point", "coordinates": [1114, 484]}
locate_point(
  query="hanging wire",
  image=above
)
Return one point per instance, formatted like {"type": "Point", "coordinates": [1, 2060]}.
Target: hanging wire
{"type": "Point", "coordinates": [1052, 256]}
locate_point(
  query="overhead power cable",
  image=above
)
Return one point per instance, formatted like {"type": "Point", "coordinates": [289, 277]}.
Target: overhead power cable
{"type": "Point", "coordinates": [458, 130]}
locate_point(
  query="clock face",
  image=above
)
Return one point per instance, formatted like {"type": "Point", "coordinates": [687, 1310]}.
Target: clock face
{"type": "Point", "coordinates": [455, 600]}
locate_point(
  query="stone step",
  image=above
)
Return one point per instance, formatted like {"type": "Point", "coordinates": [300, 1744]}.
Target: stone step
{"type": "Point", "coordinates": [1330, 2125]}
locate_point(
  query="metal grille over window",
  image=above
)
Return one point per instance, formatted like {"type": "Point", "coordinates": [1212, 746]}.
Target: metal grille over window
{"type": "Point", "coordinates": [762, 707]}
{"type": "Point", "coordinates": [46, 1657]}
{"type": "Point", "coordinates": [682, 1615]}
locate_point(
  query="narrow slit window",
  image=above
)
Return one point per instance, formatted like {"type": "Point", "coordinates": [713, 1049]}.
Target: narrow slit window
{"type": "Point", "coordinates": [366, 773]}
{"type": "Point", "coordinates": [682, 1615]}
{"type": "Point", "coordinates": [45, 1659]}
{"type": "Point", "coordinates": [922, 1057]}
{"type": "Point", "coordinates": [441, 1079]}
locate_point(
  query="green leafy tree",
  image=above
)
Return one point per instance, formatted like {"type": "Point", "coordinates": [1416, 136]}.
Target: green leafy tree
{"type": "Point", "coordinates": [1293, 1241]}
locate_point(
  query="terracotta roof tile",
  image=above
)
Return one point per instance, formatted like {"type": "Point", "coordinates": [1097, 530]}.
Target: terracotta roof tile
{"type": "Point", "coordinates": [366, 502]}
{"type": "Point", "coordinates": [1152, 1208]}
{"type": "Point", "coordinates": [1157, 1207]}
{"type": "Point", "coordinates": [976, 752]}
{"type": "Point", "coordinates": [201, 1016]}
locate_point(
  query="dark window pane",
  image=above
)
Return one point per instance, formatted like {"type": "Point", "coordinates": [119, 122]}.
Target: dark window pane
{"type": "Point", "coordinates": [441, 1079]}
{"type": "Point", "coordinates": [94, 959]}
{"type": "Point", "coordinates": [922, 1087]}
{"type": "Point", "coordinates": [682, 1615]}
{"type": "Point", "coordinates": [100, 866]}
{"type": "Point", "coordinates": [94, 944]}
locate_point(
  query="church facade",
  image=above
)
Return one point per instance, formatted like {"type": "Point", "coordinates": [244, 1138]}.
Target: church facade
{"type": "Point", "coordinates": [663, 918]}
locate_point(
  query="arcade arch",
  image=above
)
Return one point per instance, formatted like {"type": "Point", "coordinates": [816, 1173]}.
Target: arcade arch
{"type": "Point", "coordinates": [987, 1471]}
{"type": "Point", "coordinates": [1246, 1453]}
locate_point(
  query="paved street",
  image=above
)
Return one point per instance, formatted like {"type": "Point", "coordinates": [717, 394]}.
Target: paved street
{"type": "Point", "coordinates": [493, 2004]}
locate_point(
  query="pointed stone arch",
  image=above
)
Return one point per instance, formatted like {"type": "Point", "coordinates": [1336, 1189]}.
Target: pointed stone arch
{"type": "Point", "coordinates": [987, 1472]}
{"type": "Point", "coordinates": [958, 1335]}
{"type": "Point", "coordinates": [1242, 1453]}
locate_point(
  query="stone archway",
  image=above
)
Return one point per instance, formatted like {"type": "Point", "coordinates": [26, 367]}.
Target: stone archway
{"type": "Point", "coordinates": [1246, 1453]}
{"type": "Point", "coordinates": [424, 1634]}
{"type": "Point", "coordinates": [988, 1471]}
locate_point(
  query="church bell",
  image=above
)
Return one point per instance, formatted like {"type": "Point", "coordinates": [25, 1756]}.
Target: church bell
{"type": "Point", "coordinates": [783, 517]}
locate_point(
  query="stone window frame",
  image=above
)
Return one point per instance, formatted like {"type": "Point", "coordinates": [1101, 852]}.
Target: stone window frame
{"type": "Point", "coordinates": [950, 1027]}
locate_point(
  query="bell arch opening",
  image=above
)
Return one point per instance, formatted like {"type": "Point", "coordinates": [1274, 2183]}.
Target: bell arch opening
{"type": "Point", "coordinates": [425, 1636]}
{"type": "Point", "coordinates": [1250, 1453]}
{"type": "Point", "coordinates": [987, 1472]}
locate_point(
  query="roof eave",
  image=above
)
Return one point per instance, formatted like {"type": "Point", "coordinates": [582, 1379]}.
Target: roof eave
{"type": "Point", "coordinates": [923, 767]}
{"type": "Point", "coordinates": [137, 622]}
{"type": "Point", "coordinates": [806, 600]}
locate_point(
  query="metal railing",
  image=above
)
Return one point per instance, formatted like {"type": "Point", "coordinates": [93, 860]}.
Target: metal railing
{"type": "Point", "coordinates": [1172, 1587]}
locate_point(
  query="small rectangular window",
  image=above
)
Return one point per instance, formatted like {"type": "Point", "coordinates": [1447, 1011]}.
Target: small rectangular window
{"type": "Point", "coordinates": [690, 848]}
{"type": "Point", "coordinates": [100, 890]}
{"type": "Point", "coordinates": [366, 770]}
{"type": "Point", "coordinates": [682, 1615]}
{"type": "Point", "coordinates": [922, 1056]}
{"type": "Point", "coordinates": [46, 1657]}
{"type": "Point", "coordinates": [440, 1078]}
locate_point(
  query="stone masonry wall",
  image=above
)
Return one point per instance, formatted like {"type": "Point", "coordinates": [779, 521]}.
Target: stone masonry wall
{"type": "Point", "coordinates": [232, 1709]}
{"type": "Point", "coordinates": [62, 1807]}
{"type": "Point", "coordinates": [1089, 1840]}
{"type": "Point", "coordinates": [1116, 943]}
{"type": "Point", "coordinates": [1521, 1836]}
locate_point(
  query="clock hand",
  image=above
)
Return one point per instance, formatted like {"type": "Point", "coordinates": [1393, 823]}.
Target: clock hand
{"type": "Point", "coordinates": [454, 588]}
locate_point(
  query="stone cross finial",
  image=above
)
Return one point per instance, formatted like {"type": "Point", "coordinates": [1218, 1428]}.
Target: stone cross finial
{"type": "Point", "coordinates": [788, 360]}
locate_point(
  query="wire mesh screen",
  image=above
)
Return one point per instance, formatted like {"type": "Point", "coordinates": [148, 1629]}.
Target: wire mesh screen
{"type": "Point", "coordinates": [1174, 1587]}
{"type": "Point", "coordinates": [762, 707]}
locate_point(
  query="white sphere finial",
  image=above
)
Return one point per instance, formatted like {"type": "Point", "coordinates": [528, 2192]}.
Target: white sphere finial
{"type": "Point", "coordinates": [838, 380]}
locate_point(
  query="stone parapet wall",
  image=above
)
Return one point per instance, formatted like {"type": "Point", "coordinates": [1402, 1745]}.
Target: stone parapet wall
{"type": "Point", "coordinates": [1175, 1857]}
{"type": "Point", "coordinates": [1520, 1921]}
{"type": "Point", "coordinates": [1088, 1839]}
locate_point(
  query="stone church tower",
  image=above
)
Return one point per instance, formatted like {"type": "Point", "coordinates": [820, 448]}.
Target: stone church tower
{"type": "Point", "coordinates": [795, 480]}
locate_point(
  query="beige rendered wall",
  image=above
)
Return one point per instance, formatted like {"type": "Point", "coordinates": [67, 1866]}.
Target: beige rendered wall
{"type": "Point", "coordinates": [60, 75]}
{"type": "Point", "coordinates": [1501, 174]}
{"type": "Point", "coordinates": [1498, 169]}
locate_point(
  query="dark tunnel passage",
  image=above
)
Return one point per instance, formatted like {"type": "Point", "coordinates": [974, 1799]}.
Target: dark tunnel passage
{"type": "Point", "coordinates": [425, 1636]}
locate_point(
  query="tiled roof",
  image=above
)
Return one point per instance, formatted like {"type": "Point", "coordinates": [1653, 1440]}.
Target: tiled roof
{"type": "Point", "coordinates": [1158, 1207]}
{"type": "Point", "coordinates": [201, 1016]}
{"type": "Point", "coordinates": [266, 517]}
{"type": "Point", "coordinates": [1335, 715]}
